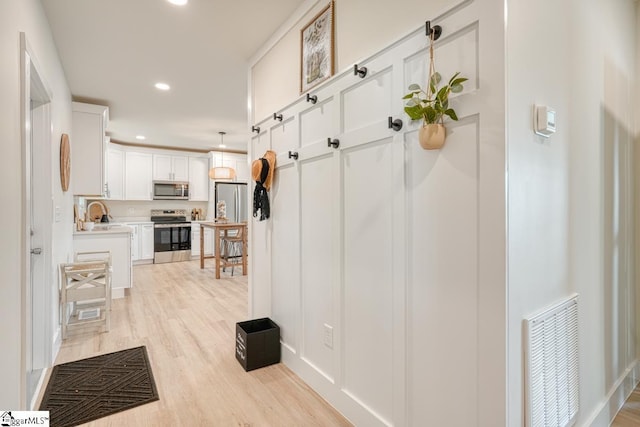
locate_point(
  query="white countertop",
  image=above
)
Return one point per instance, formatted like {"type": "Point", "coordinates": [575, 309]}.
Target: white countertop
{"type": "Point", "coordinates": [105, 229]}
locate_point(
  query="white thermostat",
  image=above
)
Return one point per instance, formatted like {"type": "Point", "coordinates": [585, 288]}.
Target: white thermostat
{"type": "Point", "coordinates": [544, 121]}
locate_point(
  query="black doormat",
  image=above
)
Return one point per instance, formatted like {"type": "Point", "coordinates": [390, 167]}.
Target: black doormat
{"type": "Point", "coordinates": [87, 389]}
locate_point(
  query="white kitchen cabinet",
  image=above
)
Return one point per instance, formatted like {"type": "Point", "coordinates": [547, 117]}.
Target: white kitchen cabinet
{"type": "Point", "coordinates": [170, 168]}
{"type": "Point", "coordinates": [116, 242]}
{"type": "Point", "coordinates": [199, 179]}
{"type": "Point", "coordinates": [232, 160]}
{"type": "Point", "coordinates": [195, 240]}
{"type": "Point", "coordinates": [114, 184]}
{"type": "Point", "coordinates": [146, 241]}
{"type": "Point", "coordinates": [88, 147]}
{"type": "Point", "coordinates": [138, 171]}
{"type": "Point", "coordinates": [135, 242]}
{"type": "Point", "coordinates": [141, 241]}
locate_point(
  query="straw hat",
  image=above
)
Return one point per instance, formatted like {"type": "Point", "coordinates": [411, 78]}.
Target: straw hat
{"type": "Point", "coordinates": [257, 171]}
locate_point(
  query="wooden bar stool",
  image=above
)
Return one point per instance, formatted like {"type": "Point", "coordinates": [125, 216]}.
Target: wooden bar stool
{"type": "Point", "coordinates": [232, 247]}
{"type": "Point", "coordinates": [86, 285]}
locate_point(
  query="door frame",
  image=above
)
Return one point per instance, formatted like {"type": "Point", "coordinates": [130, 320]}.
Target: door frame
{"type": "Point", "coordinates": [34, 87]}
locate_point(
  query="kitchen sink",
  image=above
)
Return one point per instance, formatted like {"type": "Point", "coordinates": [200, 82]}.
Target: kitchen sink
{"type": "Point", "coordinates": [106, 226]}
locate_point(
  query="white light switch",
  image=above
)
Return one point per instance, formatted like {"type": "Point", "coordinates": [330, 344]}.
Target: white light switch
{"type": "Point", "coordinates": [58, 213]}
{"type": "Point", "coordinates": [544, 121]}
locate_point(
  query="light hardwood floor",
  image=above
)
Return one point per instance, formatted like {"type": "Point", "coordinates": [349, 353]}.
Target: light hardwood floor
{"type": "Point", "coordinates": [186, 318]}
{"type": "Point", "coordinates": [629, 415]}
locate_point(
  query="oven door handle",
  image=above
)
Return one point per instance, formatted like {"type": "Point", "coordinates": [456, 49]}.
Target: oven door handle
{"type": "Point", "coordinates": [172, 225]}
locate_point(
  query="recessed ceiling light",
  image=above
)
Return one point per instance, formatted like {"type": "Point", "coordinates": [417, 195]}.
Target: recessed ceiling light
{"type": "Point", "coordinates": [178, 2]}
{"type": "Point", "coordinates": [141, 137]}
{"type": "Point", "coordinates": [162, 86]}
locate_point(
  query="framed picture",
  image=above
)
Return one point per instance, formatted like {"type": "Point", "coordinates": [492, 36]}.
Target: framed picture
{"type": "Point", "coordinates": [316, 47]}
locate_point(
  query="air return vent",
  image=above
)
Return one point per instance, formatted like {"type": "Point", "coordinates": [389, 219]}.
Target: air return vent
{"type": "Point", "coordinates": [551, 357]}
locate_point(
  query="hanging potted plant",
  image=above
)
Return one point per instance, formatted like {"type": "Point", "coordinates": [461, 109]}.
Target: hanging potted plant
{"type": "Point", "coordinates": [432, 105]}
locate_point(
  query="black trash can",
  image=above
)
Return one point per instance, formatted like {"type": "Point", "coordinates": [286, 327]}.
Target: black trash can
{"type": "Point", "coordinates": [257, 343]}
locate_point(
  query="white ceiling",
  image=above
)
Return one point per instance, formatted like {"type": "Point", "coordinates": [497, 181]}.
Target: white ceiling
{"type": "Point", "coordinates": [114, 51]}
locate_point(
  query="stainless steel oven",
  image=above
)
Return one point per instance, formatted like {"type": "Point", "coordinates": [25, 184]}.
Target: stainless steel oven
{"type": "Point", "coordinates": [171, 235]}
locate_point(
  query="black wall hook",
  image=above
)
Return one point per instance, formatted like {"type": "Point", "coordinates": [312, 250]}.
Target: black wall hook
{"type": "Point", "coordinates": [395, 124]}
{"type": "Point", "coordinates": [277, 116]}
{"type": "Point", "coordinates": [359, 71]}
{"type": "Point", "coordinates": [335, 143]}
{"type": "Point", "coordinates": [312, 98]}
{"type": "Point", "coordinates": [293, 155]}
{"type": "Point", "coordinates": [436, 30]}
{"type": "Point", "coordinates": [255, 129]}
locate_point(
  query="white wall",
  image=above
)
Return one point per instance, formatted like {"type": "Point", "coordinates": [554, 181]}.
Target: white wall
{"type": "Point", "coordinates": [407, 268]}
{"type": "Point", "coordinates": [362, 27]}
{"type": "Point", "coordinates": [570, 214]}
{"type": "Point", "coordinates": [26, 16]}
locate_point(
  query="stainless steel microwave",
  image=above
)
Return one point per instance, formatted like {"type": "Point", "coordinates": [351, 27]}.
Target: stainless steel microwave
{"type": "Point", "coordinates": [170, 190]}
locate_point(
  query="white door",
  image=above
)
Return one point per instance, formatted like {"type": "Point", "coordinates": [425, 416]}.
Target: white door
{"type": "Point", "coordinates": [138, 182]}
{"type": "Point", "coordinates": [145, 238]}
{"type": "Point", "coordinates": [162, 168]}
{"type": "Point", "coordinates": [37, 288]}
{"type": "Point", "coordinates": [115, 174]}
{"type": "Point", "coordinates": [135, 242]}
{"type": "Point", "coordinates": [180, 168]}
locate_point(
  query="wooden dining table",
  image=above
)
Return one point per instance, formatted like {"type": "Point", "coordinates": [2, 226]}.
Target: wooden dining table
{"type": "Point", "coordinates": [222, 229]}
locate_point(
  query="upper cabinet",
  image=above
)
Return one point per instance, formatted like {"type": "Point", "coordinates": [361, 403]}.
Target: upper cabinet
{"type": "Point", "coordinates": [199, 179]}
{"type": "Point", "coordinates": [89, 124]}
{"type": "Point", "coordinates": [138, 184]}
{"type": "Point", "coordinates": [170, 168]}
{"type": "Point", "coordinates": [232, 160]}
{"type": "Point", "coordinates": [114, 184]}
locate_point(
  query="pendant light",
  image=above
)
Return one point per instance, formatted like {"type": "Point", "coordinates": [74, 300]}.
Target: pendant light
{"type": "Point", "coordinates": [222, 172]}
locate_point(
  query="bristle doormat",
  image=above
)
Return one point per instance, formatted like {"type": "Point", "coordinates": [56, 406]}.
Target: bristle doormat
{"type": "Point", "coordinates": [87, 389]}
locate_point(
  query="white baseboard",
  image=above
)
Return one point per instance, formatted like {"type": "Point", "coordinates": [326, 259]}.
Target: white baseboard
{"type": "Point", "coordinates": [55, 347]}
{"type": "Point", "coordinates": [604, 414]}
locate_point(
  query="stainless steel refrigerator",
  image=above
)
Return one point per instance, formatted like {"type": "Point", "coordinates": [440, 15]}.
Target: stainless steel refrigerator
{"type": "Point", "coordinates": [236, 198]}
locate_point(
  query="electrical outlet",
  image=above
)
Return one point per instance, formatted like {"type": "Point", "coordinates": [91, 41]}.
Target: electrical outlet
{"type": "Point", "coordinates": [328, 335]}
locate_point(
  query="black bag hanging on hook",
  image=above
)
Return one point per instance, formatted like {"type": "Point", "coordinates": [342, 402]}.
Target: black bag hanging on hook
{"type": "Point", "coordinates": [260, 170]}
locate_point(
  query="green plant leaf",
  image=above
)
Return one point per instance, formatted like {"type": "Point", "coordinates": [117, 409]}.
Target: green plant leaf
{"type": "Point", "coordinates": [413, 103]}
{"type": "Point", "coordinates": [414, 87]}
{"type": "Point", "coordinates": [414, 112]}
{"type": "Point", "coordinates": [453, 78]}
{"type": "Point", "coordinates": [430, 114]}
{"type": "Point", "coordinates": [456, 88]}
{"type": "Point", "coordinates": [443, 94]}
{"type": "Point", "coordinates": [408, 96]}
{"type": "Point", "coordinates": [435, 78]}
{"type": "Point", "coordinates": [451, 114]}
{"type": "Point", "coordinates": [458, 81]}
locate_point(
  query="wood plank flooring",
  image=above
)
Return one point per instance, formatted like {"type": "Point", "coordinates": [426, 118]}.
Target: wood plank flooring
{"type": "Point", "coordinates": [186, 318]}
{"type": "Point", "coordinates": [629, 415]}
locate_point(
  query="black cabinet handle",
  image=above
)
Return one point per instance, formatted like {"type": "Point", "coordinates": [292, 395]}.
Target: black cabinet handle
{"type": "Point", "coordinates": [312, 98]}
{"type": "Point", "coordinates": [293, 155]}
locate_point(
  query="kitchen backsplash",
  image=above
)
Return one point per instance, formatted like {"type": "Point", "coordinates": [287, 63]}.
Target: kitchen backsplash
{"type": "Point", "coordinates": [123, 209]}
